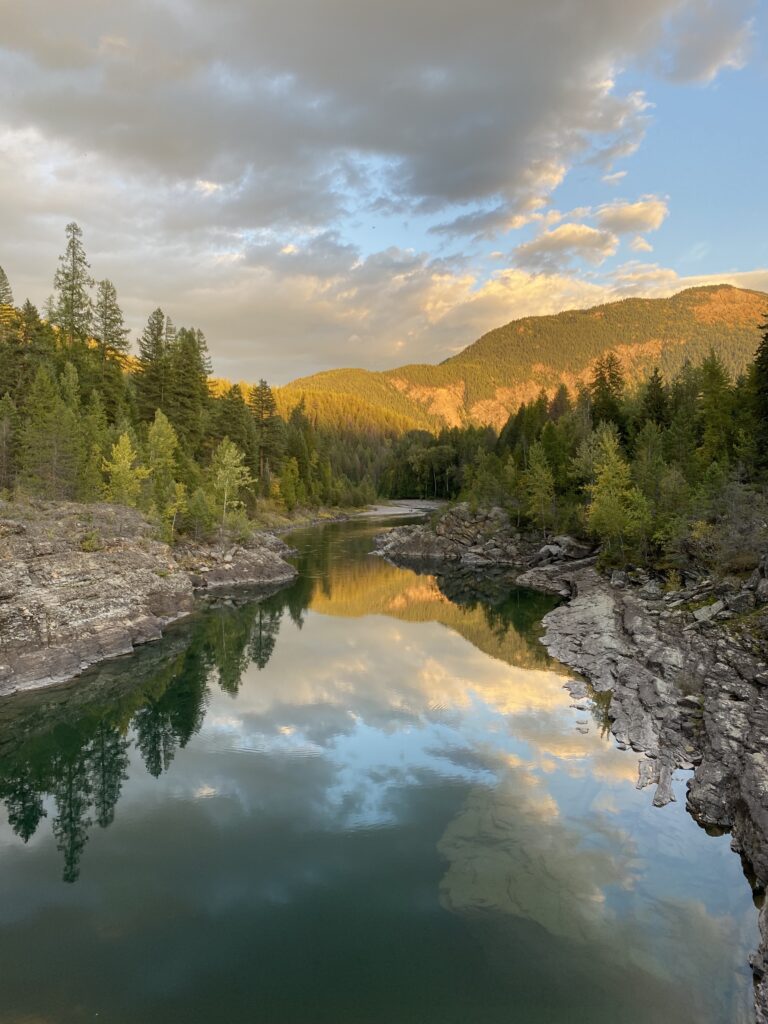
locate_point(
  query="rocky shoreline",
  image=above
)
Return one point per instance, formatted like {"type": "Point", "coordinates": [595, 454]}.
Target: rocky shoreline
{"type": "Point", "coordinates": [684, 672]}
{"type": "Point", "coordinates": [80, 584]}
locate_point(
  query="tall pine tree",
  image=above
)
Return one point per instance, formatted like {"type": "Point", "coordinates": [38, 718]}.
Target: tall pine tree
{"type": "Point", "coordinates": [109, 328]}
{"type": "Point", "coordinates": [189, 367]}
{"type": "Point", "coordinates": [269, 432]}
{"type": "Point", "coordinates": [655, 402]}
{"type": "Point", "coordinates": [607, 390]}
{"type": "Point", "coordinates": [153, 375]}
{"type": "Point", "coordinates": [6, 306]}
{"type": "Point", "coordinates": [72, 311]}
{"type": "Point", "coordinates": [6, 295]}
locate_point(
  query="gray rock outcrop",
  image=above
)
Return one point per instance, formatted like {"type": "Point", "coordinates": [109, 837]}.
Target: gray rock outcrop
{"type": "Point", "coordinates": [685, 693]}
{"type": "Point", "coordinates": [475, 538]}
{"type": "Point", "coordinates": [461, 535]}
{"type": "Point", "coordinates": [83, 583]}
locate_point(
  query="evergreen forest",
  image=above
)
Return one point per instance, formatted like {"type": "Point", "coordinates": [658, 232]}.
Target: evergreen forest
{"type": "Point", "coordinates": [663, 469]}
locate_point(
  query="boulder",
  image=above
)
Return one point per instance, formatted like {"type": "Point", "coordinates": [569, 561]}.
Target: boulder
{"type": "Point", "coordinates": [572, 548]}
{"type": "Point", "coordinates": [473, 538]}
{"type": "Point", "coordinates": [708, 611]}
{"type": "Point", "coordinates": [741, 602]}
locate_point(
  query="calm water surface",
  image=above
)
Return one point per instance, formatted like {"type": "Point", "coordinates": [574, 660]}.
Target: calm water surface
{"type": "Point", "coordinates": [364, 800]}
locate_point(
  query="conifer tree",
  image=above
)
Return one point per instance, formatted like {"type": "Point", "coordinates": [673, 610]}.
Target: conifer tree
{"type": "Point", "coordinates": [560, 404]}
{"type": "Point", "coordinates": [72, 793]}
{"type": "Point", "coordinates": [655, 404]}
{"type": "Point", "coordinates": [30, 323]}
{"type": "Point", "coordinates": [716, 407]}
{"type": "Point", "coordinates": [124, 475]}
{"type": "Point", "coordinates": [155, 736]}
{"type": "Point", "coordinates": [200, 515]}
{"type": "Point", "coordinates": [189, 368]}
{"type": "Point", "coordinates": [72, 311]}
{"type": "Point", "coordinates": [152, 379]}
{"type": "Point", "coordinates": [232, 418]}
{"type": "Point", "coordinates": [540, 488]}
{"type": "Point", "coordinates": [168, 496]}
{"type": "Point", "coordinates": [648, 464]}
{"type": "Point", "coordinates": [6, 295]}
{"type": "Point", "coordinates": [760, 400]}
{"type": "Point", "coordinates": [69, 387]}
{"type": "Point", "coordinates": [6, 306]}
{"type": "Point", "coordinates": [264, 636]}
{"type": "Point", "coordinates": [95, 434]}
{"type": "Point", "coordinates": [50, 446]}
{"type": "Point", "coordinates": [607, 390]}
{"type": "Point", "coordinates": [8, 438]}
{"type": "Point", "coordinates": [269, 432]}
{"type": "Point", "coordinates": [617, 512]}
{"type": "Point", "coordinates": [289, 484]}
{"type": "Point", "coordinates": [108, 324]}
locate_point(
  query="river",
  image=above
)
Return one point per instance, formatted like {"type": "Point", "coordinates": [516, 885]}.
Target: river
{"type": "Point", "coordinates": [367, 799]}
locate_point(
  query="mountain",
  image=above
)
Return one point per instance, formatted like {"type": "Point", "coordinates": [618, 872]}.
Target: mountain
{"type": "Point", "coordinates": [511, 364]}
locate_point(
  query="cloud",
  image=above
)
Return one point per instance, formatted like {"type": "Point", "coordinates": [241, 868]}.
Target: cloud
{"type": "Point", "coordinates": [707, 38]}
{"type": "Point", "coordinates": [419, 108]}
{"type": "Point", "coordinates": [554, 249]}
{"type": "Point", "coordinates": [640, 244]}
{"type": "Point", "coordinates": [651, 279]}
{"type": "Point", "coordinates": [615, 178]}
{"type": "Point", "coordinates": [224, 158]}
{"type": "Point", "coordinates": [647, 214]}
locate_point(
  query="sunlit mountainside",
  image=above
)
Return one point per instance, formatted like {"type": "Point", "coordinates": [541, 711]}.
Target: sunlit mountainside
{"type": "Point", "coordinates": [511, 364]}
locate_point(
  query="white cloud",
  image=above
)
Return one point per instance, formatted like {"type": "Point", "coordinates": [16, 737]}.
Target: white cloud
{"type": "Point", "coordinates": [635, 278]}
{"type": "Point", "coordinates": [647, 214]}
{"type": "Point", "coordinates": [554, 249]}
{"type": "Point", "coordinates": [640, 244]}
{"type": "Point", "coordinates": [615, 178]}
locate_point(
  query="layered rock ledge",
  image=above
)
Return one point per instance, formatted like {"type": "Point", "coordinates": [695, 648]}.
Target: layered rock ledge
{"type": "Point", "coordinates": [687, 691]}
{"type": "Point", "coordinates": [83, 583]}
{"type": "Point", "coordinates": [684, 674]}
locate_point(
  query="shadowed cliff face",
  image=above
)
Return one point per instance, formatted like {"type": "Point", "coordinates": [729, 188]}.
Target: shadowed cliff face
{"type": "Point", "coordinates": [381, 802]}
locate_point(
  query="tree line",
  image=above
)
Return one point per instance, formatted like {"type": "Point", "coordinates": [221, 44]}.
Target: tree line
{"type": "Point", "coordinates": [670, 469]}
{"type": "Point", "coordinates": [667, 472]}
{"type": "Point", "coordinates": [81, 418]}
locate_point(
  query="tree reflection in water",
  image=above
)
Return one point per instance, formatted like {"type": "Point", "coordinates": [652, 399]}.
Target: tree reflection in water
{"type": "Point", "coordinates": [76, 751]}
{"type": "Point", "coordinates": [70, 747]}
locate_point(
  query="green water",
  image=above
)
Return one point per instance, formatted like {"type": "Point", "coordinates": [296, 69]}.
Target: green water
{"type": "Point", "coordinates": [365, 799]}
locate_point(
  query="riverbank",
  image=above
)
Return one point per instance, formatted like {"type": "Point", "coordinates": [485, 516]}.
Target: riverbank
{"type": "Point", "coordinates": [80, 584]}
{"type": "Point", "coordinates": [686, 692]}
{"type": "Point", "coordinates": [684, 672]}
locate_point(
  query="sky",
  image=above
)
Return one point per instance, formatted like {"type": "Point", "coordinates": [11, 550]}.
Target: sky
{"type": "Point", "coordinates": [325, 183]}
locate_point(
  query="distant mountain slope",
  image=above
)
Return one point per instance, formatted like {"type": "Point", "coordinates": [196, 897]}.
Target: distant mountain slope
{"type": "Point", "coordinates": [511, 364]}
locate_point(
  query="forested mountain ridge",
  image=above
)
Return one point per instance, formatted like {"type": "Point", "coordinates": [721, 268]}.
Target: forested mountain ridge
{"type": "Point", "coordinates": [510, 365]}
